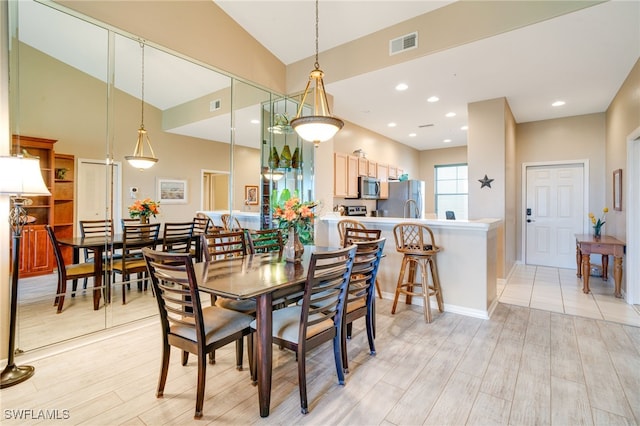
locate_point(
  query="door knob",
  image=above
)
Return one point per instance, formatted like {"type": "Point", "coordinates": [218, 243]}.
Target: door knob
{"type": "Point", "coordinates": [530, 220]}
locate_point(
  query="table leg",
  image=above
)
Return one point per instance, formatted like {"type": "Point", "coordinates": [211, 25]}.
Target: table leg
{"type": "Point", "coordinates": [605, 267]}
{"type": "Point", "coordinates": [97, 279]}
{"type": "Point", "coordinates": [579, 261]}
{"type": "Point", "coordinates": [264, 351]}
{"type": "Point", "coordinates": [617, 275]}
{"type": "Point", "coordinates": [586, 270]}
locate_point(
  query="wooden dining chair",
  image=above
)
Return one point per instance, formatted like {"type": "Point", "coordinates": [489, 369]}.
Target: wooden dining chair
{"type": "Point", "coordinates": [134, 239]}
{"type": "Point", "coordinates": [360, 297]}
{"type": "Point", "coordinates": [344, 224]}
{"type": "Point", "coordinates": [353, 234]}
{"type": "Point", "coordinates": [95, 228]}
{"type": "Point", "coordinates": [224, 244]}
{"type": "Point", "coordinates": [319, 318]}
{"type": "Point", "coordinates": [265, 241]}
{"type": "Point", "coordinates": [201, 223]}
{"type": "Point", "coordinates": [177, 236]}
{"type": "Point", "coordinates": [67, 272]}
{"type": "Point", "coordinates": [188, 326]}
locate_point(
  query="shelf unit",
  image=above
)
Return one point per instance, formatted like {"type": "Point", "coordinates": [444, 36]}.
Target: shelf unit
{"type": "Point", "coordinates": [36, 255]}
{"type": "Point", "coordinates": [64, 200]}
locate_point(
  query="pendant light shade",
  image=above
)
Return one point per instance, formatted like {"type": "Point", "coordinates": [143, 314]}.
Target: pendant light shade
{"type": "Point", "coordinates": [321, 125]}
{"type": "Point", "coordinates": [139, 160]}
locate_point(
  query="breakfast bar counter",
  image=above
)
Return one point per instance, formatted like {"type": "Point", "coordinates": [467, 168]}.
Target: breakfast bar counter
{"type": "Point", "coordinates": [466, 263]}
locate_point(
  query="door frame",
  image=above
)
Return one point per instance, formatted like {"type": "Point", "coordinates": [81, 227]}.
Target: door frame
{"type": "Point", "coordinates": [631, 200]}
{"type": "Point", "coordinates": [523, 207]}
{"type": "Point", "coordinates": [202, 174]}
{"type": "Point", "coordinates": [115, 196]}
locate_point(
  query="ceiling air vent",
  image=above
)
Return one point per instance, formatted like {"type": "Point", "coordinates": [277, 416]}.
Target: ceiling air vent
{"type": "Point", "coordinates": [406, 42]}
{"type": "Point", "coordinates": [214, 105]}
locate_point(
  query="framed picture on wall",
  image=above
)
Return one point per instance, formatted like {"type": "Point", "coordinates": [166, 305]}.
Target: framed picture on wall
{"type": "Point", "coordinates": [617, 190]}
{"type": "Point", "coordinates": [172, 191]}
{"type": "Point", "coordinates": [251, 195]}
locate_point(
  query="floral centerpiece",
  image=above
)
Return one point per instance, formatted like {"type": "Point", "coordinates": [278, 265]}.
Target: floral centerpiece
{"type": "Point", "coordinates": [143, 209]}
{"type": "Point", "coordinates": [598, 222]}
{"type": "Point", "coordinates": [296, 217]}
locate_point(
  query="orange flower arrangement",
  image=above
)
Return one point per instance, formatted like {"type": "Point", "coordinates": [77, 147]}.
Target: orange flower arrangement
{"type": "Point", "coordinates": [297, 215]}
{"type": "Point", "coordinates": [144, 208]}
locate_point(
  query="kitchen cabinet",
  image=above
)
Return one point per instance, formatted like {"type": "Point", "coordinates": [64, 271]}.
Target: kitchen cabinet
{"type": "Point", "coordinates": [393, 172]}
{"type": "Point", "coordinates": [36, 255]}
{"type": "Point", "coordinates": [363, 166]}
{"type": "Point", "coordinates": [345, 175]}
{"type": "Point", "coordinates": [383, 173]}
{"type": "Point", "coordinates": [372, 169]}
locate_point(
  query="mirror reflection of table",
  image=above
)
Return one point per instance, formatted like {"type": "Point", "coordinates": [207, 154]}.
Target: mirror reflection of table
{"type": "Point", "coordinates": [605, 245]}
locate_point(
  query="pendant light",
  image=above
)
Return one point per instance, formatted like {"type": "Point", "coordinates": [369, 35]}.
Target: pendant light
{"type": "Point", "coordinates": [139, 160]}
{"type": "Point", "coordinates": [321, 126]}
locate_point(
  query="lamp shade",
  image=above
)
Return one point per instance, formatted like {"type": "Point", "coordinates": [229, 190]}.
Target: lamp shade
{"type": "Point", "coordinates": [21, 176]}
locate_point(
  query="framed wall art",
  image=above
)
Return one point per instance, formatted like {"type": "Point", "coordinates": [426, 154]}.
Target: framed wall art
{"type": "Point", "coordinates": [251, 195]}
{"type": "Point", "coordinates": [617, 190]}
{"type": "Point", "coordinates": [172, 191]}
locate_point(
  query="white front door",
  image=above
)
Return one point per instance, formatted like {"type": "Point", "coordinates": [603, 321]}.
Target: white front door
{"type": "Point", "coordinates": [554, 214]}
{"type": "Point", "coordinates": [96, 193]}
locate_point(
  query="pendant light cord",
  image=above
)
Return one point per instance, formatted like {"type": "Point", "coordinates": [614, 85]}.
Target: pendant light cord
{"type": "Point", "coordinates": [317, 64]}
{"type": "Point", "coordinates": [142, 97]}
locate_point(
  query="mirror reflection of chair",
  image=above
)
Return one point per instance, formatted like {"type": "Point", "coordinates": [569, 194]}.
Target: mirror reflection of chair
{"type": "Point", "coordinates": [224, 244]}
{"type": "Point", "coordinates": [95, 228]}
{"type": "Point", "coordinates": [67, 272]}
{"type": "Point", "coordinates": [134, 238]}
{"type": "Point", "coordinates": [188, 326]}
{"type": "Point", "coordinates": [265, 241]}
{"type": "Point", "coordinates": [360, 298]}
{"type": "Point", "coordinates": [416, 243]}
{"type": "Point", "coordinates": [177, 236]}
{"type": "Point", "coordinates": [319, 318]}
{"type": "Point", "coordinates": [201, 223]}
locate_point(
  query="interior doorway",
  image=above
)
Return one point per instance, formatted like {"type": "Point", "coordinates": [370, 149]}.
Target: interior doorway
{"type": "Point", "coordinates": [554, 204]}
{"type": "Point", "coordinates": [97, 189]}
{"type": "Point", "coordinates": [631, 204]}
{"type": "Point", "coordinates": [215, 190]}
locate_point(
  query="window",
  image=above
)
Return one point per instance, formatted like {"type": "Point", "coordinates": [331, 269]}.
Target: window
{"type": "Point", "coordinates": [452, 190]}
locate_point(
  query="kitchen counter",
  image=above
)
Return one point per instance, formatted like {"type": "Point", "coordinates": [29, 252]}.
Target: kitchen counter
{"type": "Point", "coordinates": [466, 263]}
{"type": "Point", "coordinates": [249, 220]}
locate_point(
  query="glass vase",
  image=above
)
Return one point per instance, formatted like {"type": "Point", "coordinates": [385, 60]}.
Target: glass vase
{"type": "Point", "coordinates": [597, 232]}
{"type": "Point", "coordinates": [293, 249]}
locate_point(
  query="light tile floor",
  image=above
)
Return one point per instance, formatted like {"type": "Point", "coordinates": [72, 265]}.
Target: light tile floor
{"type": "Point", "coordinates": [559, 290]}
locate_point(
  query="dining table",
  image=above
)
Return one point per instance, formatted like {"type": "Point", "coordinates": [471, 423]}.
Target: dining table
{"type": "Point", "coordinates": [264, 278]}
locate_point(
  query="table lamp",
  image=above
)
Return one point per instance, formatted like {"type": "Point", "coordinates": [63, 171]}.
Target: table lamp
{"type": "Point", "coordinates": [19, 177]}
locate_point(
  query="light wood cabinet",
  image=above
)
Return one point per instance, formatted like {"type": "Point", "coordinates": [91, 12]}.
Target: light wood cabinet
{"type": "Point", "coordinates": [345, 175]}
{"type": "Point", "coordinates": [372, 169]}
{"type": "Point", "coordinates": [383, 173]}
{"type": "Point", "coordinates": [363, 166]}
{"type": "Point", "coordinates": [64, 200]}
{"type": "Point", "coordinates": [393, 172]}
{"type": "Point", "coordinates": [36, 255]}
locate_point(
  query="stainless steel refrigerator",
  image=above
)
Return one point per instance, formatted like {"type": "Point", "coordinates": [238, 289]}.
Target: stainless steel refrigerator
{"type": "Point", "coordinates": [406, 200]}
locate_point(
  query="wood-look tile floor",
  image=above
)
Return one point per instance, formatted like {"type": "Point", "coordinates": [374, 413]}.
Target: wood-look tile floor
{"type": "Point", "coordinates": [524, 366]}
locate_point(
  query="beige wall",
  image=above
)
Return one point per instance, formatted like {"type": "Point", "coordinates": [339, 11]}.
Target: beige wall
{"type": "Point", "coordinates": [572, 138]}
{"type": "Point", "coordinates": [623, 117]}
{"type": "Point", "coordinates": [437, 157]}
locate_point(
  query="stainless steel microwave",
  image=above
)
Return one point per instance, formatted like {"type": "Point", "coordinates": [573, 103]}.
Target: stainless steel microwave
{"type": "Point", "coordinates": [368, 188]}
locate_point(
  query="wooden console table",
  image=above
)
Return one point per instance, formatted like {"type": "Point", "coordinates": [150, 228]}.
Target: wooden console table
{"type": "Point", "coordinates": [605, 245]}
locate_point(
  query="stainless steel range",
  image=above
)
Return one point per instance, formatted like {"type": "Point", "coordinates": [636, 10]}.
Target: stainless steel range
{"type": "Point", "coordinates": [355, 210]}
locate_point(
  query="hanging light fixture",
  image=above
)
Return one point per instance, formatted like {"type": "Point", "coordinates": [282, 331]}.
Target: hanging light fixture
{"type": "Point", "coordinates": [321, 126]}
{"type": "Point", "coordinates": [139, 160]}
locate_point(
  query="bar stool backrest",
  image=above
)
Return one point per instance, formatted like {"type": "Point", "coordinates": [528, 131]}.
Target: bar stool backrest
{"type": "Point", "coordinates": [414, 238]}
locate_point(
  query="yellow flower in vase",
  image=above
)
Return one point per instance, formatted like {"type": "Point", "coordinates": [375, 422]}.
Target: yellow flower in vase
{"type": "Point", "coordinates": [598, 222]}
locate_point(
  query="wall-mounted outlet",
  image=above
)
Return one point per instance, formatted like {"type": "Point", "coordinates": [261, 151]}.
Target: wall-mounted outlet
{"type": "Point", "coordinates": [133, 192]}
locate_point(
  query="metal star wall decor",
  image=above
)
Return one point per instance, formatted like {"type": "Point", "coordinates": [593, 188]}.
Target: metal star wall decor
{"type": "Point", "coordinates": [485, 182]}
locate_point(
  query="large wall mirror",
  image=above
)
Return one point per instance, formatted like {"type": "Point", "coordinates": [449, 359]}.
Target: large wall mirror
{"type": "Point", "coordinates": [80, 83]}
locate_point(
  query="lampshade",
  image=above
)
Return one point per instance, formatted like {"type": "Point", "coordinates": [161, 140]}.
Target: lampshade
{"type": "Point", "coordinates": [321, 125]}
{"type": "Point", "coordinates": [21, 176]}
{"type": "Point", "coordinates": [273, 176]}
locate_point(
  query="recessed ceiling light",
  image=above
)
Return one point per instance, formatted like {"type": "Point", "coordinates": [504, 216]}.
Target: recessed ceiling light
{"type": "Point", "coordinates": [464, 128]}
{"type": "Point", "coordinates": [392, 124]}
{"type": "Point", "coordinates": [558, 103]}
{"type": "Point", "coordinates": [446, 140]}
{"type": "Point", "coordinates": [450, 114]}
{"type": "Point", "coordinates": [401, 87]}
{"type": "Point", "coordinates": [254, 121]}
{"type": "Point", "coordinates": [433, 99]}
{"type": "Point", "coordinates": [412, 135]}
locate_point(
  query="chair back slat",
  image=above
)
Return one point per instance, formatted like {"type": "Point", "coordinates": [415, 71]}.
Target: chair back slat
{"type": "Point", "coordinates": [201, 223]}
{"type": "Point", "coordinates": [414, 238]}
{"type": "Point", "coordinates": [345, 224]}
{"type": "Point", "coordinates": [177, 237]}
{"type": "Point", "coordinates": [352, 235]}
{"type": "Point", "coordinates": [230, 222]}
{"type": "Point", "coordinates": [95, 228]}
{"type": "Point", "coordinates": [265, 241]}
{"type": "Point", "coordinates": [365, 270]}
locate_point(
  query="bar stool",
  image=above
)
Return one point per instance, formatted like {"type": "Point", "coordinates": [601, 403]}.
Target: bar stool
{"type": "Point", "coordinates": [419, 250]}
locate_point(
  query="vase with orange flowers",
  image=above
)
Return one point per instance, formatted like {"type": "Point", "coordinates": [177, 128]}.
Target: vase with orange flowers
{"type": "Point", "coordinates": [295, 216]}
{"type": "Point", "coordinates": [142, 209]}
